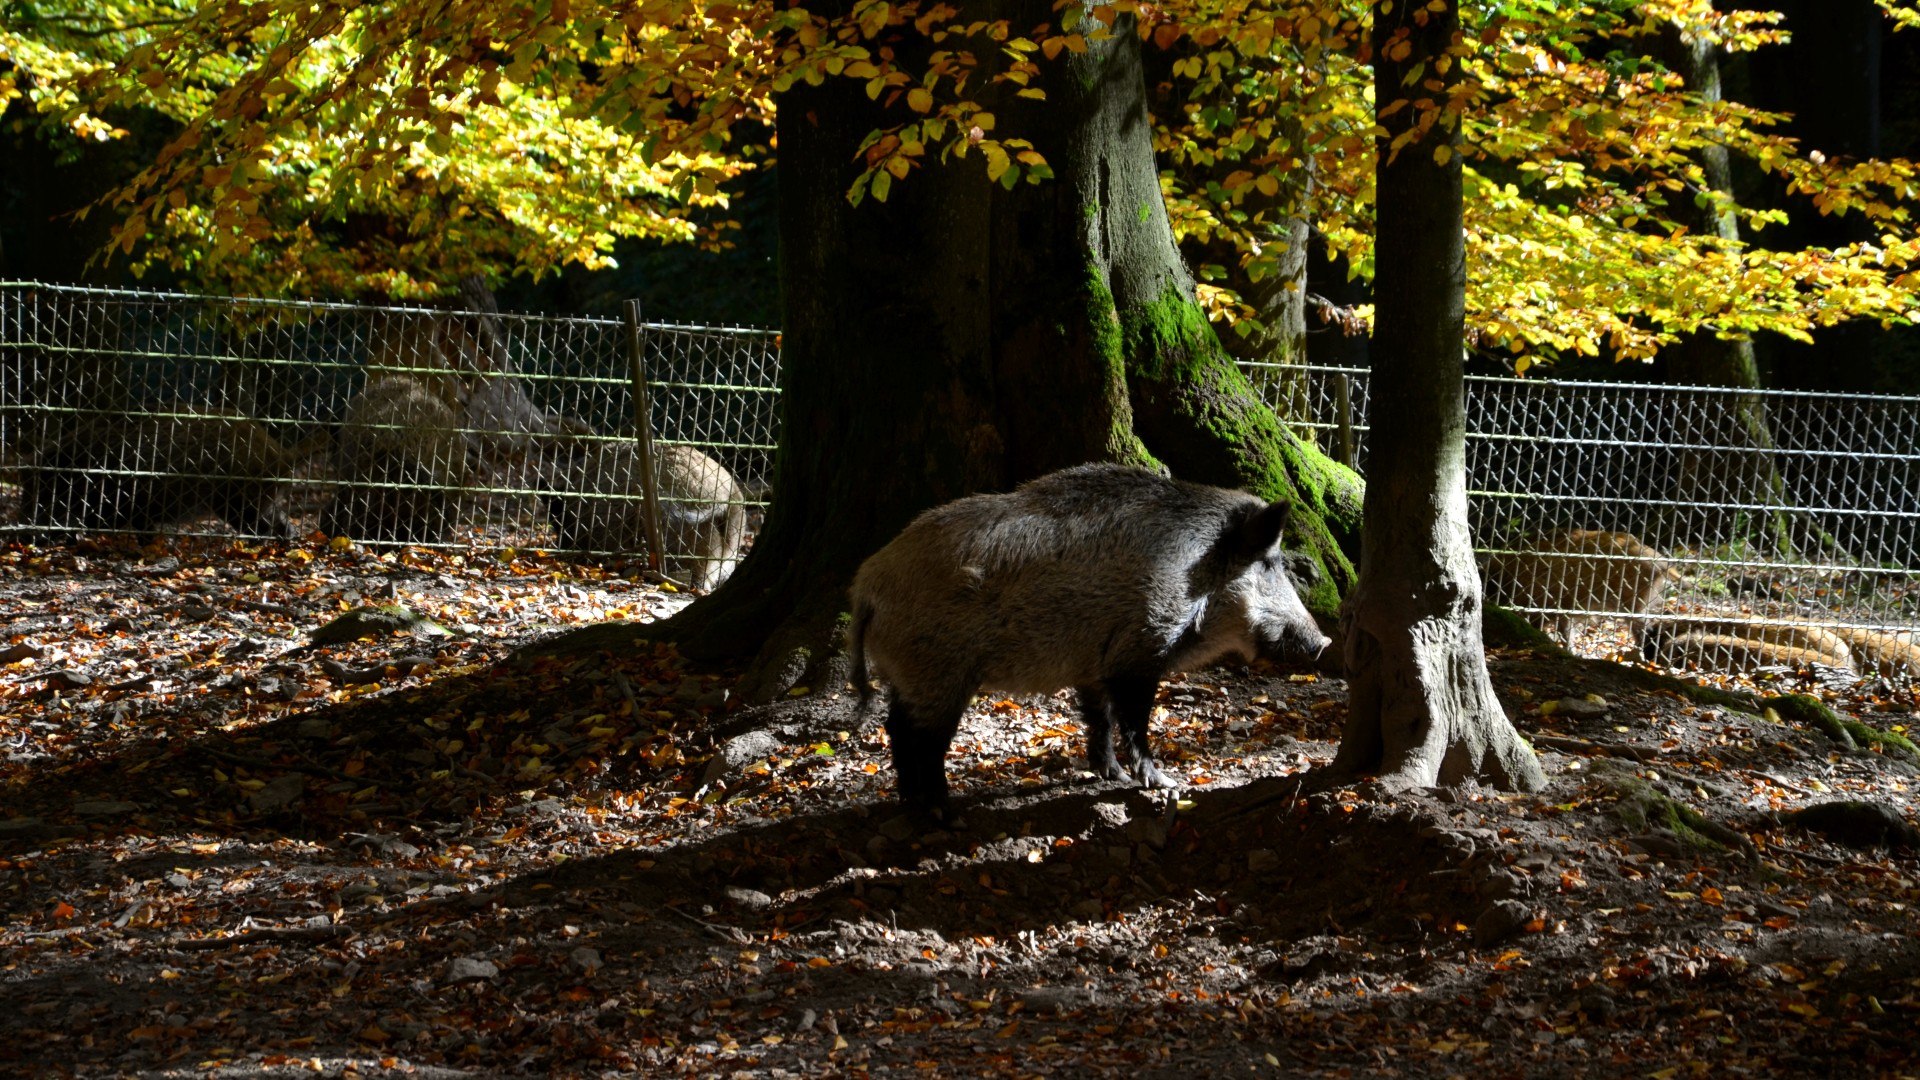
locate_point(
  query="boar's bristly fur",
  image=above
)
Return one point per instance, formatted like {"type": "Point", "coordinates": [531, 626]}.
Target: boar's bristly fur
{"type": "Point", "coordinates": [143, 473]}
{"type": "Point", "coordinates": [402, 460]}
{"type": "Point", "coordinates": [593, 499]}
{"type": "Point", "coordinates": [1104, 578]}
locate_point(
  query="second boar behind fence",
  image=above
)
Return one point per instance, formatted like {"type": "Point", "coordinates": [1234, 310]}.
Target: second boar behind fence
{"type": "Point", "coordinates": [137, 412]}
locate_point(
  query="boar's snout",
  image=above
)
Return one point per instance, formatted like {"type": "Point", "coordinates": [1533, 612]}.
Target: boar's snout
{"type": "Point", "coordinates": [1296, 643]}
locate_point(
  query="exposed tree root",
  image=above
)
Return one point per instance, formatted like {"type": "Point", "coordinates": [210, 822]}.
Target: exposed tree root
{"type": "Point", "coordinates": [1642, 807]}
{"type": "Point", "coordinates": [1851, 734]}
{"type": "Point", "coordinates": [1855, 824]}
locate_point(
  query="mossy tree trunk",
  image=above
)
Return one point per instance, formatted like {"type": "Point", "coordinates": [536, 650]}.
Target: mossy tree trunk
{"type": "Point", "coordinates": [964, 337]}
{"type": "Point", "coordinates": [1421, 707]}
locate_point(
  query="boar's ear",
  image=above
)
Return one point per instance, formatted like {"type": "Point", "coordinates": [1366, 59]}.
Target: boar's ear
{"type": "Point", "coordinates": [1261, 529]}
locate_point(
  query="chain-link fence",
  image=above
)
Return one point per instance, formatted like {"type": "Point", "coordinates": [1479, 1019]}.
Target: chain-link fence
{"type": "Point", "coordinates": [1722, 529]}
{"type": "Point", "coordinates": [140, 412]}
{"type": "Point", "coordinates": [1709, 527]}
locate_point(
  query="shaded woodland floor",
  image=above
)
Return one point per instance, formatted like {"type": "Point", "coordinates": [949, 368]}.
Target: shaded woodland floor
{"type": "Point", "coordinates": [226, 852]}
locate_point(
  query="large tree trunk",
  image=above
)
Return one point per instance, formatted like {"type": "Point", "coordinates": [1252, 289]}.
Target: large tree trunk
{"type": "Point", "coordinates": [1421, 708]}
{"type": "Point", "coordinates": [962, 337]}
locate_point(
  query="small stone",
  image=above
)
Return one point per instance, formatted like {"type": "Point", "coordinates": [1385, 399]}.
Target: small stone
{"type": "Point", "coordinates": [751, 899]}
{"type": "Point", "coordinates": [1149, 831]}
{"type": "Point", "coordinates": [470, 969]}
{"type": "Point", "coordinates": [1500, 921]}
{"type": "Point", "coordinates": [243, 648]}
{"type": "Point", "coordinates": [1590, 707]}
{"type": "Point", "coordinates": [1113, 815]}
{"type": "Point", "coordinates": [27, 828]}
{"type": "Point", "coordinates": [1504, 885]}
{"type": "Point", "coordinates": [1598, 1003]}
{"type": "Point", "coordinates": [1058, 999]}
{"type": "Point", "coordinates": [739, 752]}
{"type": "Point", "coordinates": [280, 794]}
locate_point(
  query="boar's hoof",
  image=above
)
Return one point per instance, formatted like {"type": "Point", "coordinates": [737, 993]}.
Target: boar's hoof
{"type": "Point", "coordinates": [1150, 775]}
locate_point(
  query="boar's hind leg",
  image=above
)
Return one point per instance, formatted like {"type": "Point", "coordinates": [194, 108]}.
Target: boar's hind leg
{"type": "Point", "coordinates": [1132, 700]}
{"type": "Point", "coordinates": [1096, 708]}
{"type": "Point", "coordinates": [920, 738]}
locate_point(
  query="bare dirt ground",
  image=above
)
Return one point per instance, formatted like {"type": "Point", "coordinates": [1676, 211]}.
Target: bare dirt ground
{"type": "Point", "coordinates": [225, 851]}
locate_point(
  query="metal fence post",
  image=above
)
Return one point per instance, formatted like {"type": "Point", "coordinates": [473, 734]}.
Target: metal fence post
{"type": "Point", "coordinates": [643, 436]}
{"type": "Point", "coordinates": [1343, 407]}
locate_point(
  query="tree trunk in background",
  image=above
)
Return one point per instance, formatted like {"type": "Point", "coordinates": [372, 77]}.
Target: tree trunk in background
{"type": "Point", "coordinates": [1741, 468]}
{"type": "Point", "coordinates": [1278, 299]}
{"type": "Point", "coordinates": [961, 337]}
{"type": "Point", "coordinates": [1328, 343]}
{"type": "Point", "coordinates": [1421, 710]}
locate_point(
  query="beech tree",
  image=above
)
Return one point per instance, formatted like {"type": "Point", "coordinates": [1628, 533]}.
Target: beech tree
{"type": "Point", "coordinates": [1422, 709]}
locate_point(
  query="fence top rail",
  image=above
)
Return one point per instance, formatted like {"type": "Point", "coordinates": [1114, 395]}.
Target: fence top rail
{"type": "Point", "coordinates": [1591, 384]}
{"type": "Point", "coordinates": [343, 307]}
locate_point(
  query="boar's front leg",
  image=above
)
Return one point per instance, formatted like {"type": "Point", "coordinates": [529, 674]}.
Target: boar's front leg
{"type": "Point", "coordinates": [1132, 704]}
{"type": "Point", "coordinates": [920, 739]}
{"type": "Point", "coordinates": [1097, 710]}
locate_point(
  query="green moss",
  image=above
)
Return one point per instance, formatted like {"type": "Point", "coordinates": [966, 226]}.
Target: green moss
{"type": "Point", "coordinates": [1205, 419]}
{"type": "Point", "coordinates": [1169, 339]}
{"type": "Point", "coordinates": [1642, 809]}
{"type": "Point", "coordinates": [1502, 627]}
{"type": "Point", "coordinates": [1845, 730]}
{"type": "Point", "coordinates": [1109, 346]}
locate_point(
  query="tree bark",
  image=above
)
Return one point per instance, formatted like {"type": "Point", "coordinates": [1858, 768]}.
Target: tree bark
{"type": "Point", "coordinates": [1421, 710]}
{"type": "Point", "coordinates": [962, 337]}
{"type": "Point", "coordinates": [1740, 467]}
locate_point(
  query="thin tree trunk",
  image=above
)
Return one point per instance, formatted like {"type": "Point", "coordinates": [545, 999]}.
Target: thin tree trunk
{"type": "Point", "coordinates": [962, 337]}
{"type": "Point", "coordinates": [1422, 709]}
{"type": "Point", "coordinates": [1740, 466]}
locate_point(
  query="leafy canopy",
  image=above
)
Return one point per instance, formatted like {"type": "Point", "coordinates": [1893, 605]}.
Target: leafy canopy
{"type": "Point", "coordinates": [392, 146]}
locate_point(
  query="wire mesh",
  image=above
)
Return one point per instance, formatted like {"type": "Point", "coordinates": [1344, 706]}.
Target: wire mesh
{"type": "Point", "coordinates": [1702, 527]}
{"type": "Point", "coordinates": [1719, 529]}
{"type": "Point", "coordinates": [140, 412]}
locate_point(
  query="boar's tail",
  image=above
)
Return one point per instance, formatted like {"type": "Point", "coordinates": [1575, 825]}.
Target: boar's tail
{"type": "Point", "coordinates": [857, 649]}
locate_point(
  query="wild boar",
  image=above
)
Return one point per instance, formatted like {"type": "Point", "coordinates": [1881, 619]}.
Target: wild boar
{"type": "Point", "coordinates": [143, 473]}
{"type": "Point", "coordinates": [1104, 578]}
{"type": "Point", "coordinates": [1675, 642]}
{"type": "Point", "coordinates": [1577, 571]}
{"type": "Point", "coordinates": [593, 500]}
{"type": "Point", "coordinates": [401, 460]}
